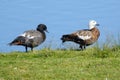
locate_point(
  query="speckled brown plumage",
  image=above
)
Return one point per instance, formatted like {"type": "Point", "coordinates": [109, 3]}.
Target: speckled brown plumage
{"type": "Point", "coordinates": [84, 37]}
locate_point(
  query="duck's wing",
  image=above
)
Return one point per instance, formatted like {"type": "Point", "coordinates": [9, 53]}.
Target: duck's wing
{"type": "Point", "coordinates": [30, 34]}
{"type": "Point", "coordinates": [83, 34]}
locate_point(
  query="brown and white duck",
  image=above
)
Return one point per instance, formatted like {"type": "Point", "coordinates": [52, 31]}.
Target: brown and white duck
{"type": "Point", "coordinates": [84, 37]}
{"type": "Point", "coordinates": [31, 38]}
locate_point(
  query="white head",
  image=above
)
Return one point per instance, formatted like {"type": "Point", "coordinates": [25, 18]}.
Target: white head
{"type": "Point", "coordinates": [92, 24]}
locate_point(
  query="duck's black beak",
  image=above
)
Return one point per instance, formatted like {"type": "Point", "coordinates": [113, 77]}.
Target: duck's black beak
{"type": "Point", "coordinates": [97, 24]}
{"type": "Point", "coordinates": [47, 31]}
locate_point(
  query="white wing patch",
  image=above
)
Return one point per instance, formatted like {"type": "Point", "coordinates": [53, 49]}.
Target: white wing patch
{"type": "Point", "coordinates": [84, 37]}
{"type": "Point", "coordinates": [27, 36]}
{"type": "Point", "coordinates": [30, 37]}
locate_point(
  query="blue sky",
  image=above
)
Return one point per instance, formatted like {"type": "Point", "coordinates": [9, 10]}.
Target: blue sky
{"type": "Point", "coordinates": [61, 17]}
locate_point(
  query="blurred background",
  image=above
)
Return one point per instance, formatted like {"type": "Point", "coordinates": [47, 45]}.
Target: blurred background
{"type": "Point", "coordinates": [60, 16]}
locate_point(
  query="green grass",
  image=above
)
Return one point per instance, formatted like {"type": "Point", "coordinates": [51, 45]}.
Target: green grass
{"type": "Point", "coordinates": [46, 64]}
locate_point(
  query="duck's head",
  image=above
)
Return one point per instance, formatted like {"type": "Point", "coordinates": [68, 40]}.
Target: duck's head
{"type": "Point", "coordinates": [42, 27]}
{"type": "Point", "coordinates": [92, 24]}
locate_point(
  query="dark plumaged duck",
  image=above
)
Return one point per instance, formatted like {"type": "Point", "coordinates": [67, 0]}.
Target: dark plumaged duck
{"type": "Point", "coordinates": [31, 38]}
{"type": "Point", "coordinates": [84, 37]}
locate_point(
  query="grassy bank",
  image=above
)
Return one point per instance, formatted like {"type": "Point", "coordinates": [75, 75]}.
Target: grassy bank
{"type": "Point", "coordinates": [46, 64]}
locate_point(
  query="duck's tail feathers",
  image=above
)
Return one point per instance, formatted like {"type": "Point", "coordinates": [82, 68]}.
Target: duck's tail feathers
{"type": "Point", "coordinates": [68, 37]}
{"type": "Point", "coordinates": [20, 40]}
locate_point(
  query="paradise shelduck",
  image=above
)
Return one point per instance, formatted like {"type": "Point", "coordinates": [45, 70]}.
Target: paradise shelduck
{"type": "Point", "coordinates": [84, 37]}
{"type": "Point", "coordinates": [31, 38]}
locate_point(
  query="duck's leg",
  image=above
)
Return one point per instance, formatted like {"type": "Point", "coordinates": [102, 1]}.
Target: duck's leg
{"type": "Point", "coordinates": [32, 49]}
{"type": "Point", "coordinates": [81, 47]}
{"type": "Point", "coordinates": [84, 46]}
{"type": "Point", "coordinates": [26, 49]}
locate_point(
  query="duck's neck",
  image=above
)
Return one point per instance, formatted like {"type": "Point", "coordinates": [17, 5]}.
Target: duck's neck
{"type": "Point", "coordinates": [42, 33]}
{"type": "Point", "coordinates": [96, 32]}
{"type": "Point", "coordinates": [91, 26]}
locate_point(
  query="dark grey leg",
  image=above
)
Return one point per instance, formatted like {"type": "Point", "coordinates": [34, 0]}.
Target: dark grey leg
{"type": "Point", "coordinates": [84, 46]}
{"type": "Point", "coordinates": [81, 47]}
{"type": "Point", "coordinates": [32, 49]}
{"type": "Point", "coordinates": [26, 48]}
